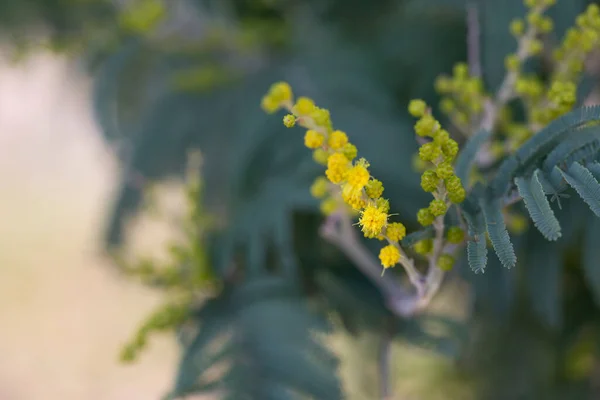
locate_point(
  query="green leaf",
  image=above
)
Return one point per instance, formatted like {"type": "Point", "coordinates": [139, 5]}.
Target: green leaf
{"type": "Point", "coordinates": [580, 144]}
{"type": "Point", "coordinates": [538, 206]}
{"type": "Point", "coordinates": [466, 157]}
{"type": "Point", "coordinates": [595, 170]}
{"type": "Point", "coordinates": [532, 151]}
{"type": "Point", "coordinates": [269, 349]}
{"type": "Point", "coordinates": [196, 360]}
{"type": "Point", "coordinates": [477, 247]}
{"type": "Point", "coordinates": [543, 141]}
{"type": "Point", "coordinates": [584, 183]}
{"type": "Point", "coordinates": [492, 212]}
{"type": "Point", "coordinates": [506, 171]}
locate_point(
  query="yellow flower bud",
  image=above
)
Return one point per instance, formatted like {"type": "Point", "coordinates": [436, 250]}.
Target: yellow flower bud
{"type": "Point", "coordinates": [389, 256]}
{"type": "Point", "coordinates": [337, 140]}
{"type": "Point", "coordinates": [417, 108]}
{"type": "Point", "coordinates": [289, 121]}
{"type": "Point", "coordinates": [313, 139]}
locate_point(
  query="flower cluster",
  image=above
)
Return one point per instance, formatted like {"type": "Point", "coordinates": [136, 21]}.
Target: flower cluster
{"type": "Point", "coordinates": [463, 96]}
{"type": "Point", "coordinates": [546, 101]}
{"type": "Point", "coordinates": [578, 43]}
{"type": "Point", "coordinates": [439, 152]}
{"type": "Point", "coordinates": [347, 181]}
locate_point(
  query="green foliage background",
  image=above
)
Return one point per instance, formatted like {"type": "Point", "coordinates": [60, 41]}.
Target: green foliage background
{"type": "Point", "coordinates": [192, 77]}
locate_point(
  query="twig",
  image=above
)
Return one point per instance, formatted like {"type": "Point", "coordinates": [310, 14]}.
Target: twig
{"type": "Point", "coordinates": [402, 302]}
{"type": "Point", "coordinates": [473, 40]}
{"type": "Point", "coordinates": [506, 91]}
{"type": "Point", "coordinates": [338, 231]}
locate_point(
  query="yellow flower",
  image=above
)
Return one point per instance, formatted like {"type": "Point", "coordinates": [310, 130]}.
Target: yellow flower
{"type": "Point", "coordinates": [395, 231]}
{"type": "Point", "coordinates": [358, 176]}
{"type": "Point", "coordinates": [350, 151]}
{"type": "Point", "coordinates": [425, 217]}
{"type": "Point", "coordinates": [517, 27]}
{"type": "Point", "coordinates": [382, 204]}
{"type": "Point", "coordinates": [289, 121]}
{"type": "Point", "coordinates": [281, 91]}
{"type": "Point", "coordinates": [444, 170]}
{"type": "Point", "coordinates": [417, 108]}
{"type": "Point", "coordinates": [321, 117]}
{"type": "Point", "coordinates": [337, 167]}
{"type": "Point", "coordinates": [374, 188]}
{"type": "Point", "coordinates": [319, 187]}
{"type": "Point", "coordinates": [426, 126]}
{"type": "Point", "coordinates": [337, 140]}
{"type": "Point", "coordinates": [353, 197]}
{"type": "Point", "coordinates": [444, 84]}
{"type": "Point", "coordinates": [446, 262]}
{"type": "Point", "coordinates": [304, 106]}
{"type": "Point", "coordinates": [423, 247]}
{"type": "Point", "coordinates": [450, 149]}
{"type": "Point", "coordinates": [320, 156]}
{"type": "Point", "coordinates": [389, 256]}
{"type": "Point", "coordinates": [329, 206]}
{"type": "Point", "coordinates": [455, 235]}
{"type": "Point", "coordinates": [447, 105]}
{"type": "Point", "coordinates": [269, 105]}
{"type": "Point", "coordinates": [437, 207]}
{"type": "Point", "coordinates": [429, 151]}
{"type": "Point", "coordinates": [429, 181]}
{"type": "Point", "coordinates": [457, 196]}
{"type": "Point", "coordinates": [372, 220]}
{"type": "Point", "coordinates": [512, 62]}
{"type": "Point", "coordinates": [313, 139]}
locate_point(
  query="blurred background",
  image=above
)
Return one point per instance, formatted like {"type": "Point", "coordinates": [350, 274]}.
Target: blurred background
{"type": "Point", "coordinates": [101, 103]}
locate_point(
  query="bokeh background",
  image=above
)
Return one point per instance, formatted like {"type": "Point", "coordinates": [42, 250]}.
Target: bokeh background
{"type": "Point", "coordinates": [100, 99]}
{"type": "Point", "coordinates": [65, 313]}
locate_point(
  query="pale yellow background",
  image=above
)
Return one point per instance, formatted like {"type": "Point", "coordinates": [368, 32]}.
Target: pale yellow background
{"type": "Point", "coordinates": [63, 311]}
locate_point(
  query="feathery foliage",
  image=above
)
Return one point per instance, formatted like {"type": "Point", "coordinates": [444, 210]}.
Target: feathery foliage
{"type": "Point", "coordinates": [466, 158]}
{"type": "Point", "coordinates": [173, 78]}
{"type": "Point", "coordinates": [492, 212]}
{"type": "Point", "coordinates": [538, 206]}
{"type": "Point", "coordinates": [264, 339]}
{"type": "Point", "coordinates": [582, 180]}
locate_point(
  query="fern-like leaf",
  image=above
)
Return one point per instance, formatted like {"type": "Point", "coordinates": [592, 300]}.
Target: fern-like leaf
{"type": "Point", "coordinates": [580, 144]}
{"type": "Point", "coordinates": [477, 247]}
{"type": "Point", "coordinates": [542, 142]}
{"type": "Point", "coordinates": [501, 182]}
{"type": "Point", "coordinates": [269, 349]}
{"type": "Point", "coordinates": [538, 206]}
{"type": "Point", "coordinates": [584, 183]}
{"type": "Point", "coordinates": [540, 145]}
{"type": "Point", "coordinates": [595, 170]}
{"type": "Point", "coordinates": [492, 212]}
{"type": "Point", "coordinates": [466, 158]}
